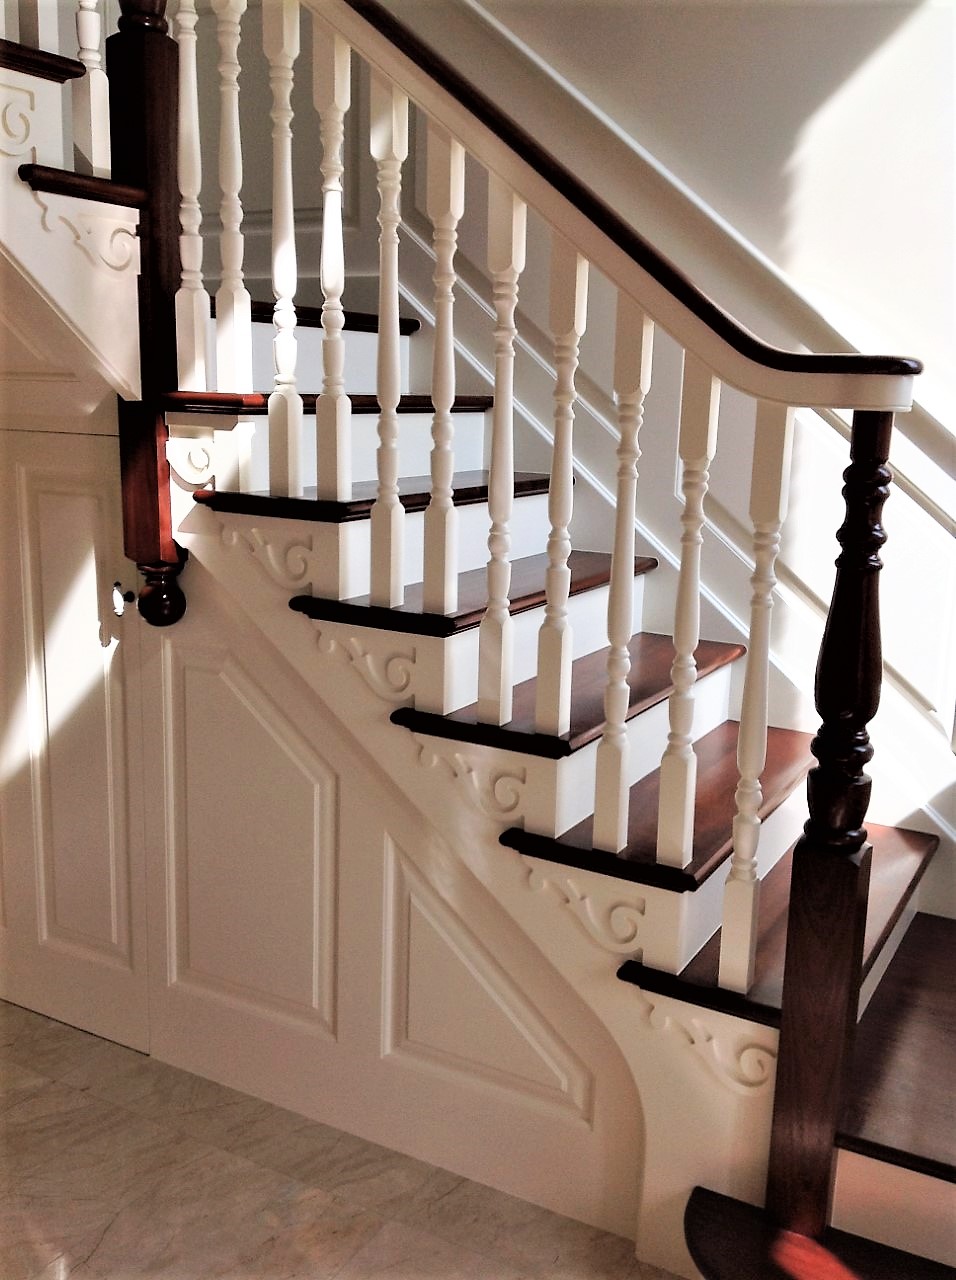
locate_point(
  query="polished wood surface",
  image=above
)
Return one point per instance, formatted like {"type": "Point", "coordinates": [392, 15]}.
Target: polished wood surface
{"type": "Point", "coordinates": [648, 680]}
{"type": "Point", "coordinates": [414, 493]}
{"type": "Point", "coordinates": [730, 1240]}
{"type": "Point", "coordinates": [899, 1101]}
{"type": "Point", "coordinates": [255, 404]}
{"type": "Point", "coordinates": [900, 858]}
{"type": "Point", "coordinates": [831, 861]}
{"type": "Point", "coordinates": [41, 177]}
{"type": "Point", "coordinates": [787, 761]}
{"type": "Point", "coordinates": [39, 63]}
{"type": "Point", "coordinates": [588, 569]}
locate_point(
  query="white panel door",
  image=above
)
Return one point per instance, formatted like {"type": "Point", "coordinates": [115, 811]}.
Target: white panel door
{"type": "Point", "coordinates": [314, 942]}
{"type": "Point", "coordinates": [72, 899]}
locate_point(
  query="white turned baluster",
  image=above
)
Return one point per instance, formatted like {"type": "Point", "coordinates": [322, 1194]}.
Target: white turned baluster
{"type": "Point", "coordinates": [332, 95]}
{"type": "Point", "coordinates": [507, 225]}
{"type": "Point", "coordinates": [38, 25]}
{"type": "Point", "coordinates": [280, 39]}
{"type": "Point", "coordinates": [233, 305]}
{"type": "Point", "coordinates": [91, 96]}
{"type": "Point", "coordinates": [445, 205]}
{"type": "Point", "coordinates": [569, 301]}
{"type": "Point", "coordinates": [192, 300]}
{"type": "Point", "coordinates": [700, 399]}
{"type": "Point", "coordinates": [769, 488]}
{"type": "Point", "coordinates": [389, 147]}
{"type": "Point", "coordinates": [632, 379]}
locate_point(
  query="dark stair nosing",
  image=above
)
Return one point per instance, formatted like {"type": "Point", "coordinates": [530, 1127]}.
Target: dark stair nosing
{"type": "Point", "coordinates": [731, 1240]}
{"type": "Point", "coordinates": [899, 1104]}
{"type": "Point", "coordinates": [255, 404]}
{"type": "Point", "coordinates": [900, 858]}
{"type": "Point", "coordinates": [649, 680]}
{"type": "Point", "coordinates": [589, 569]}
{"type": "Point", "coordinates": [64, 182]}
{"type": "Point", "coordinates": [470, 487]}
{"type": "Point", "coordinates": [39, 63]}
{"type": "Point", "coordinates": [311, 318]}
{"type": "Point", "coordinates": [788, 759]}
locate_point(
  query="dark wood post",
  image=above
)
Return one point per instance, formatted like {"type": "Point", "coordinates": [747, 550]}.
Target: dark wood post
{"type": "Point", "coordinates": [142, 65]}
{"type": "Point", "coordinates": [831, 862]}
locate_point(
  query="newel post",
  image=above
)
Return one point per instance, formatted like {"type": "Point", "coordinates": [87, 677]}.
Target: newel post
{"type": "Point", "coordinates": [831, 862]}
{"type": "Point", "coordinates": [142, 65]}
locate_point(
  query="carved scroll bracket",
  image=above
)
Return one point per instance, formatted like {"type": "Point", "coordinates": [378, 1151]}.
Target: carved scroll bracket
{"type": "Point", "coordinates": [389, 674]}
{"type": "Point", "coordinates": [493, 790]}
{"type": "Point", "coordinates": [614, 923]}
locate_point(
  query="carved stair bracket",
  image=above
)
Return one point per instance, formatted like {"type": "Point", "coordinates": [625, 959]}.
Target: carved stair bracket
{"type": "Point", "coordinates": [191, 461]}
{"type": "Point", "coordinates": [288, 564]}
{"type": "Point", "coordinates": [161, 601]}
{"type": "Point", "coordinates": [497, 792]}
{"type": "Point", "coordinates": [736, 1059]}
{"type": "Point", "coordinates": [389, 675]}
{"type": "Point", "coordinates": [614, 924]}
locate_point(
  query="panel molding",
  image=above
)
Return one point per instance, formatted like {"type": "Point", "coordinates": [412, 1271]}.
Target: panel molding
{"type": "Point", "coordinates": [405, 889]}
{"type": "Point", "coordinates": [320, 1014]}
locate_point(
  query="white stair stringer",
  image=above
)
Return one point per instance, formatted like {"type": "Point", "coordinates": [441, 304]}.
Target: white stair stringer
{"type": "Point", "coordinates": [72, 264]}
{"type": "Point", "coordinates": [704, 1079]}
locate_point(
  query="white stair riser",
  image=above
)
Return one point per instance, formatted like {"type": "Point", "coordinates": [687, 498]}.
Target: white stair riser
{"type": "Point", "coordinates": [415, 445]}
{"type": "Point", "coordinates": [562, 792]}
{"type": "Point", "coordinates": [895, 1206]}
{"type": "Point", "coordinates": [452, 679]}
{"type": "Point", "coordinates": [361, 352]}
{"type": "Point", "coordinates": [346, 573]}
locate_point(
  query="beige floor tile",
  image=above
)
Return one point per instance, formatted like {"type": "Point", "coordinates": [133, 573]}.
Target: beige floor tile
{"type": "Point", "coordinates": [399, 1252]}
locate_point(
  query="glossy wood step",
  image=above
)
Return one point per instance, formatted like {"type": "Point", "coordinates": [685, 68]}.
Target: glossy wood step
{"type": "Point", "coordinates": [589, 569]}
{"type": "Point", "coordinates": [255, 404]}
{"type": "Point", "coordinates": [64, 182]}
{"type": "Point", "coordinates": [39, 63]}
{"type": "Point", "coordinates": [900, 858]}
{"type": "Point", "coordinates": [730, 1240]}
{"type": "Point", "coordinates": [902, 1082]}
{"type": "Point", "coordinates": [414, 492]}
{"type": "Point", "coordinates": [788, 759]}
{"type": "Point", "coordinates": [649, 681]}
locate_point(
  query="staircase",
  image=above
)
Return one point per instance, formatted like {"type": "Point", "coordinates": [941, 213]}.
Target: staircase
{"type": "Point", "coordinates": [521, 691]}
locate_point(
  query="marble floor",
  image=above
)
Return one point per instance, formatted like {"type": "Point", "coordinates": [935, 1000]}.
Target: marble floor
{"type": "Point", "coordinates": [114, 1166]}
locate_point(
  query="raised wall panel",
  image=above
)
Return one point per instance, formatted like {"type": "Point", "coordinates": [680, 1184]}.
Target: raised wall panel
{"type": "Point", "coordinates": [253, 853]}
{"type": "Point", "coordinates": [74, 921]}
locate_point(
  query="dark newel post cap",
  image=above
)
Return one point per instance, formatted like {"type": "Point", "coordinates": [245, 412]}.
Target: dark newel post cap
{"type": "Point", "coordinates": [161, 601]}
{"type": "Point", "coordinates": [147, 14]}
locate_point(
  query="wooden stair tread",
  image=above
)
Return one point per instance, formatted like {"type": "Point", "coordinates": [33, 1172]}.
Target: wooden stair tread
{"type": "Point", "coordinates": [649, 680]}
{"type": "Point", "coordinates": [255, 404]}
{"type": "Point", "coordinates": [900, 858]}
{"type": "Point", "coordinates": [788, 759]}
{"type": "Point", "coordinates": [731, 1240]}
{"type": "Point", "coordinates": [899, 1104]}
{"type": "Point", "coordinates": [414, 492]}
{"type": "Point", "coordinates": [64, 182]}
{"type": "Point", "coordinates": [589, 569]}
{"type": "Point", "coordinates": [39, 63]}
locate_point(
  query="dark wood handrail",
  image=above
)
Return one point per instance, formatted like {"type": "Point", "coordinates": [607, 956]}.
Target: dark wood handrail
{"type": "Point", "coordinates": [39, 62]}
{"type": "Point", "coordinates": [611, 224]}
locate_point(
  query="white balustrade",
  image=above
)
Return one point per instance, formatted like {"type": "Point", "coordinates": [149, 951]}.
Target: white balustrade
{"type": "Point", "coordinates": [633, 354]}
{"type": "Point", "coordinates": [331, 95]}
{"type": "Point", "coordinates": [507, 235]}
{"type": "Point", "coordinates": [280, 39]}
{"type": "Point", "coordinates": [91, 95]}
{"type": "Point", "coordinates": [233, 304]}
{"type": "Point", "coordinates": [769, 488]}
{"type": "Point", "coordinates": [192, 300]}
{"type": "Point", "coordinates": [568, 317]}
{"type": "Point", "coordinates": [38, 25]}
{"type": "Point", "coordinates": [700, 400]}
{"type": "Point", "coordinates": [445, 205]}
{"type": "Point", "coordinates": [388, 109]}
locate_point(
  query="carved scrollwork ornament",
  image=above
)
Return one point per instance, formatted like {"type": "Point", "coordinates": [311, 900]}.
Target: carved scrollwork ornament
{"type": "Point", "coordinates": [389, 675]}
{"type": "Point", "coordinates": [495, 791]}
{"type": "Point", "coordinates": [614, 925]}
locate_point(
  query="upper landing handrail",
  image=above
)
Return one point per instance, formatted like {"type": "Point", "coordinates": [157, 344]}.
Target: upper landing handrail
{"type": "Point", "coordinates": [738, 357]}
